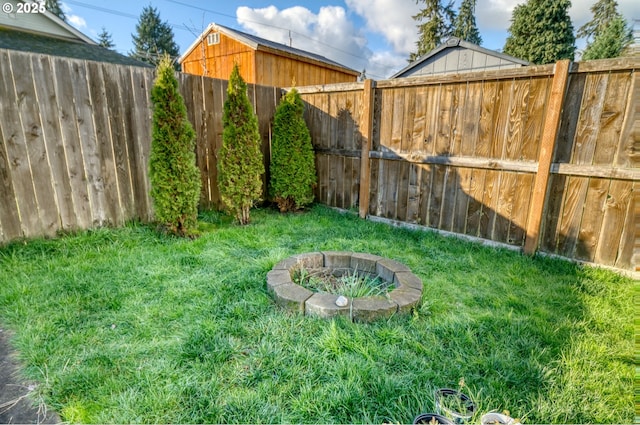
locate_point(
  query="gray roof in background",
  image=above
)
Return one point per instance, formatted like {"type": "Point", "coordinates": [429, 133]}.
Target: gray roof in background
{"type": "Point", "coordinates": [34, 43]}
{"type": "Point", "coordinates": [454, 43]}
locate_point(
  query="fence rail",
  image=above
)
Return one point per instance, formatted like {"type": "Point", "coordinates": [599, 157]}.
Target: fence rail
{"type": "Point", "coordinates": [466, 153]}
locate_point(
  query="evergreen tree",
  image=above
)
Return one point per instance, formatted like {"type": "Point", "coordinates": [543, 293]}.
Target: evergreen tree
{"type": "Point", "coordinates": [610, 41]}
{"type": "Point", "coordinates": [174, 176]}
{"type": "Point", "coordinates": [293, 172]}
{"type": "Point", "coordinates": [436, 22]}
{"type": "Point", "coordinates": [541, 32]}
{"type": "Point", "coordinates": [105, 40]}
{"type": "Point", "coordinates": [607, 33]}
{"type": "Point", "coordinates": [240, 165]}
{"type": "Point", "coordinates": [153, 38]}
{"type": "Point", "coordinates": [53, 6]}
{"type": "Point", "coordinates": [464, 26]}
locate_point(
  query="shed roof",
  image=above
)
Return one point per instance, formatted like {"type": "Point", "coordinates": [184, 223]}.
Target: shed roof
{"type": "Point", "coordinates": [452, 43]}
{"type": "Point", "coordinates": [257, 43]}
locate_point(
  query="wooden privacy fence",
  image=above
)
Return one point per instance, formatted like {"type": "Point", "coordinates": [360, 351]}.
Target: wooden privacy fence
{"type": "Point", "coordinates": [539, 157]}
{"type": "Point", "coordinates": [75, 138]}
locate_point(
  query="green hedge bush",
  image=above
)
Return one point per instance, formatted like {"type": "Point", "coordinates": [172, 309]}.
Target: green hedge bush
{"type": "Point", "coordinates": [174, 176]}
{"type": "Point", "coordinates": [293, 172]}
{"type": "Point", "coordinates": [240, 165]}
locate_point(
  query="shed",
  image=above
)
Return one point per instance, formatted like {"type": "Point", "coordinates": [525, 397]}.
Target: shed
{"type": "Point", "coordinates": [45, 33]}
{"type": "Point", "coordinates": [456, 55]}
{"type": "Point", "coordinates": [261, 61]}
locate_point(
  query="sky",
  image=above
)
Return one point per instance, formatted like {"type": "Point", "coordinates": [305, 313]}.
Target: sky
{"type": "Point", "coordinates": [376, 35]}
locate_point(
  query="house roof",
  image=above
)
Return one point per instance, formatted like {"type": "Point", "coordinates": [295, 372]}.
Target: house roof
{"type": "Point", "coordinates": [44, 23]}
{"type": "Point", "coordinates": [258, 43]}
{"type": "Point", "coordinates": [38, 43]}
{"type": "Point", "coordinates": [455, 42]}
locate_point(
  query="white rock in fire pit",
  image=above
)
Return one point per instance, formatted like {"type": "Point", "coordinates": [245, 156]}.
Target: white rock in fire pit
{"type": "Point", "coordinates": [342, 301]}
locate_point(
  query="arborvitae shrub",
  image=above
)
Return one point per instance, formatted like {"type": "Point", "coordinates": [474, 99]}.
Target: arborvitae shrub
{"type": "Point", "coordinates": [240, 165]}
{"type": "Point", "coordinates": [174, 176]}
{"type": "Point", "coordinates": [293, 171]}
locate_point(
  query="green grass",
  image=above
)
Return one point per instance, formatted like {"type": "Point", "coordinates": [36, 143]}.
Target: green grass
{"type": "Point", "coordinates": [351, 284]}
{"type": "Point", "coordinates": [129, 326]}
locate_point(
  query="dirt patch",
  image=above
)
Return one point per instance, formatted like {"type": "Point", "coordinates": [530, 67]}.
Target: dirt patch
{"type": "Point", "coordinates": [16, 404]}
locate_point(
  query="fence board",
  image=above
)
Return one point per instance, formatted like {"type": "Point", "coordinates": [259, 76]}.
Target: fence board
{"type": "Point", "coordinates": [436, 196]}
{"type": "Point", "coordinates": [485, 139]}
{"type": "Point", "coordinates": [588, 125]}
{"type": "Point", "coordinates": [519, 104]}
{"type": "Point", "coordinates": [462, 200]}
{"type": "Point", "coordinates": [474, 210]}
{"type": "Point", "coordinates": [61, 70]}
{"type": "Point", "coordinates": [572, 210]}
{"type": "Point", "coordinates": [442, 143]}
{"type": "Point", "coordinates": [108, 166]}
{"type": "Point", "coordinates": [142, 81]}
{"type": "Point", "coordinates": [470, 118]}
{"type": "Point", "coordinates": [489, 203]}
{"type": "Point", "coordinates": [425, 194]}
{"type": "Point", "coordinates": [611, 117]}
{"type": "Point", "coordinates": [44, 82]}
{"type": "Point", "coordinates": [539, 89]}
{"type": "Point", "coordinates": [615, 210]}
{"type": "Point", "coordinates": [9, 213]}
{"type": "Point", "coordinates": [449, 199]}
{"type": "Point", "coordinates": [505, 207]}
{"type": "Point", "coordinates": [521, 200]}
{"type": "Point", "coordinates": [628, 239]}
{"type": "Point", "coordinates": [118, 137]}
{"type": "Point", "coordinates": [589, 233]}
{"type": "Point", "coordinates": [29, 110]}
{"type": "Point", "coordinates": [628, 155]}
{"type": "Point", "coordinates": [88, 144]}
{"type": "Point", "coordinates": [413, 193]}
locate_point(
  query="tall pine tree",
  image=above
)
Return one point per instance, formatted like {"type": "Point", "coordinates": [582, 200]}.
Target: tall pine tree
{"type": "Point", "coordinates": [153, 38]}
{"type": "Point", "coordinates": [607, 33]}
{"type": "Point", "coordinates": [541, 32]}
{"type": "Point", "coordinates": [105, 40]}
{"type": "Point", "coordinates": [240, 163]}
{"type": "Point", "coordinates": [464, 26]}
{"type": "Point", "coordinates": [435, 25]}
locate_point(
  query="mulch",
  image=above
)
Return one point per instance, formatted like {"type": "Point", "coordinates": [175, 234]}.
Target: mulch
{"type": "Point", "coordinates": [16, 404]}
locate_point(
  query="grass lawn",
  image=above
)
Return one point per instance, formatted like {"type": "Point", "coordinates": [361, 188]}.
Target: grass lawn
{"type": "Point", "coordinates": [128, 326]}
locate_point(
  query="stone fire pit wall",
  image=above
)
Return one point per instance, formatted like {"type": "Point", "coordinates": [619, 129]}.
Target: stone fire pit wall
{"type": "Point", "coordinates": [402, 299]}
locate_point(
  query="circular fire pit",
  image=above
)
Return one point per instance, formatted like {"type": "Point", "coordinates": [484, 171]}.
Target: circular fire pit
{"type": "Point", "coordinates": [405, 295]}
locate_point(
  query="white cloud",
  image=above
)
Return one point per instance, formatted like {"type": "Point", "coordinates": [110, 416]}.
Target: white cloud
{"type": "Point", "coordinates": [391, 18]}
{"type": "Point", "coordinates": [75, 20]}
{"type": "Point", "coordinates": [328, 33]}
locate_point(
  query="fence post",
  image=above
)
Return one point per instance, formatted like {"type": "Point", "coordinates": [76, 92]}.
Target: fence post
{"type": "Point", "coordinates": [366, 129]}
{"type": "Point", "coordinates": [547, 145]}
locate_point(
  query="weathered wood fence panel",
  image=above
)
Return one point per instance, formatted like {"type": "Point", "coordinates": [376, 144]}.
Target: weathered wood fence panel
{"type": "Point", "coordinates": [334, 118]}
{"type": "Point", "coordinates": [459, 153]}
{"type": "Point", "coordinates": [75, 140]}
{"type": "Point", "coordinates": [462, 153]}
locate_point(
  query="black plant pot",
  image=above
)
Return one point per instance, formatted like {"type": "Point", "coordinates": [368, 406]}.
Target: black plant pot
{"type": "Point", "coordinates": [432, 418]}
{"type": "Point", "coordinates": [454, 404]}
